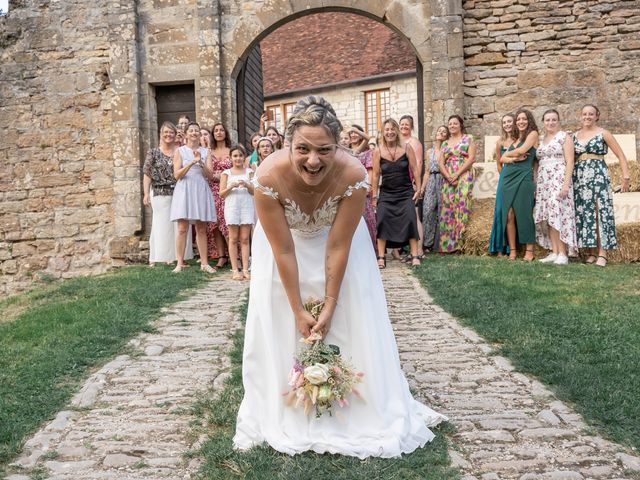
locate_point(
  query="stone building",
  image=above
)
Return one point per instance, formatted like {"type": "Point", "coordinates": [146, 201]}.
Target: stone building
{"type": "Point", "coordinates": [79, 80]}
{"type": "Point", "coordinates": [372, 74]}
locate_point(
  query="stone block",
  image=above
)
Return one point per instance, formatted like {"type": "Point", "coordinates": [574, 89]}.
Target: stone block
{"type": "Point", "coordinates": [542, 78]}
{"type": "Point", "coordinates": [121, 247]}
{"type": "Point", "coordinates": [487, 58]}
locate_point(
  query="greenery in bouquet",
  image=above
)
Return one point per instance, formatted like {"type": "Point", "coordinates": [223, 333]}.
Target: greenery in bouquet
{"type": "Point", "coordinates": [320, 377]}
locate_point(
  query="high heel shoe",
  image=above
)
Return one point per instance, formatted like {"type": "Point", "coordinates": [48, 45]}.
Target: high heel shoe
{"type": "Point", "coordinates": [382, 262]}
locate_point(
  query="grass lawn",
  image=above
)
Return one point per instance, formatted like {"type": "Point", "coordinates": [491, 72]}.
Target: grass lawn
{"type": "Point", "coordinates": [263, 463]}
{"type": "Point", "coordinates": [575, 327]}
{"type": "Point", "coordinates": [51, 338]}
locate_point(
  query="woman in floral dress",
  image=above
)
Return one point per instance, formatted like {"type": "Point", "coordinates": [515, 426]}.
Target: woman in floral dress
{"type": "Point", "coordinates": [456, 158]}
{"type": "Point", "coordinates": [432, 192]}
{"type": "Point", "coordinates": [595, 223]}
{"type": "Point", "coordinates": [359, 144]}
{"type": "Point", "coordinates": [219, 161]}
{"type": "Point", "coordinates": [554, 213]}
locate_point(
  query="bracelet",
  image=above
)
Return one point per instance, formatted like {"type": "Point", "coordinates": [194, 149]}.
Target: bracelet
{"type": "Point", "coordinates": [332, 298]}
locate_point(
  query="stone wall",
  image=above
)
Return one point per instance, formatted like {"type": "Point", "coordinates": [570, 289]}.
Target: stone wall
{"type": "Point", "coordinates": [544, 53]}
{"type": "Point", "coordinates": [56, 181]}
{"type": "Point", "coordinates": [77, 86]}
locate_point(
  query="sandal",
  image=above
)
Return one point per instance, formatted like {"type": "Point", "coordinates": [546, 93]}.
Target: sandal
{"type": "Point", "coordinates": [236, 275]}
{"type": "Point", "coordinates": [222, 261]}
{"type": "Point", "coordinates": [531, 258]}
{"type": "Point", "coordinates": [512, 257]}
{"type": "Point", "coordinates": [415, 261]}
{"type": "Point", "coordinates": [208, 268]}
{"type": "Point", "coordinates": [382, 262]}
{"type": "Point", "coordinates": [178, 269]}
{"type": "Point", "coordinates": [246, 274]}
{"type": "Point", "coordinates": [603, 263]}
{"type": "Point", "coordinates": [591, 259]}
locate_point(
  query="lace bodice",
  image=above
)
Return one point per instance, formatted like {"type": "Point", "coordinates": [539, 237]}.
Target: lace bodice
{"type": "Point", "coordinates": [309, 224]}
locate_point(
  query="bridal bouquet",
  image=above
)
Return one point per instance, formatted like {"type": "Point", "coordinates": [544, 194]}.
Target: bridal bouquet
{"type": "Point", "coordinates": [320, 376]}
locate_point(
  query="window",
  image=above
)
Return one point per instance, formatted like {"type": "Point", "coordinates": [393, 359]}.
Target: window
{"type": "Point", "coordinates": [376, 109]}
{"type": "Point", "coordinates": [276, 117]}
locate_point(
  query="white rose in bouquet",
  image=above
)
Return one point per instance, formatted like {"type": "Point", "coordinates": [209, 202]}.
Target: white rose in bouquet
{"type": "Point", "coordinates": [317, 373]}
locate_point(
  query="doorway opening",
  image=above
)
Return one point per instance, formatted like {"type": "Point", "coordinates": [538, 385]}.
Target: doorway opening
{"type": "Point", "coordinates": [365, 69]}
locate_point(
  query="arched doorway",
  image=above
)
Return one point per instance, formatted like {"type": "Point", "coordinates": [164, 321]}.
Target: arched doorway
{"type": "Point", "coordinates": [433, 28]}
{"type": "Point", "coordinates": [367, 71]}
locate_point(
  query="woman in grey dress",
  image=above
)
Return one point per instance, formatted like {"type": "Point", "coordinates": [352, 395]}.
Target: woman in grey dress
{"type": "Point", "coordinates": [192, 198]}
{"type": "Point", "coordinates": [432, 192]}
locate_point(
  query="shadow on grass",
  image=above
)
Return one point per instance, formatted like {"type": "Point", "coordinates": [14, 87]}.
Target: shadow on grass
{"type": "Point", "coordinates": [220, 461]}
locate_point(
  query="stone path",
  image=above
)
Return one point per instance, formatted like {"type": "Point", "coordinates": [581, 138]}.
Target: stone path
{"type": "Point", "coordinates": [131, 418]}
{"type": "Point", "coordinates": [508, 425]}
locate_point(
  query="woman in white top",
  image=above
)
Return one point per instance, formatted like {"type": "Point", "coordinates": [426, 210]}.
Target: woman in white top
{"type": "Point", "coordinates": [239, 211]}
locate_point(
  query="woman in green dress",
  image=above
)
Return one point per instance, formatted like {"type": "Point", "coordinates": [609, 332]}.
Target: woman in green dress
{"type": "Point", "coordinates": [517, 186]}
{"type": "Point", "coordinates": [508, 136]}
{"type": "Point", "coordinates": [595, 224]}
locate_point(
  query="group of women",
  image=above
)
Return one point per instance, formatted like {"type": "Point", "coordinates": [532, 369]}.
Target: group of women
{"type": "Point", "coordinates": [554, 189]}
{"type": "Point", "coordinates": [196, 177]}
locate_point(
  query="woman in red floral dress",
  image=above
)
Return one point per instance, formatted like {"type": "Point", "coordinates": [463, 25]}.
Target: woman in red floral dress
{"type": "Point", "coordinates": [219, 160]}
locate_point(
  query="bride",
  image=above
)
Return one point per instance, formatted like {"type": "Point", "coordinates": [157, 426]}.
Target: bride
{"type": "Point", "coordinates": [312, 242]}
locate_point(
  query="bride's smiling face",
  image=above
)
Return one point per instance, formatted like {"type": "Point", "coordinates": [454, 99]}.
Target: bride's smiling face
{"type": "Point", "coordinates": [312, 151]}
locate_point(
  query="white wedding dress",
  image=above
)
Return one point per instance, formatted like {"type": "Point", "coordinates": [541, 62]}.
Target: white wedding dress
{"type": "Point", "coordinates": [389, 422]}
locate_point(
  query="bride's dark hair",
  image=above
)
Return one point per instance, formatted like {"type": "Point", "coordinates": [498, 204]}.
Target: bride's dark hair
{"type": "Point", "coordinates": [313, 111]}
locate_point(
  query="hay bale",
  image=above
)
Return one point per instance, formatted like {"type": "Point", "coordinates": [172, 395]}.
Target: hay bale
{"type": "Point", "coordinates": [479, 229]}
{"type": "Point", "coordinates": [616, 175]}
{"type": "Point", "coordinates": [628, 244]}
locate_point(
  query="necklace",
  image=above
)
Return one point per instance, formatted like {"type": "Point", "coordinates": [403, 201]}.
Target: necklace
{"type": "Point", "coordinates": [393, 155]}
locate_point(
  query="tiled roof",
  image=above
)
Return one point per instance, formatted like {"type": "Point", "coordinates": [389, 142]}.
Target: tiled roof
{"type": "Point", "coordinates": [331, 47]}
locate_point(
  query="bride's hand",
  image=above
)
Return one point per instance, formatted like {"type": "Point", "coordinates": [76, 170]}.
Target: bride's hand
{"type": "Point", "coordinates": [305, 322]}
{"type": "Point", "coordinates": [324, 322]}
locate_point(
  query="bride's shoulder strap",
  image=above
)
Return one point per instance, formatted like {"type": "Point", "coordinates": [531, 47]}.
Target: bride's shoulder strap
{"type": "Point", "coordinates": [263, 185]}
{"type": "Point", "coordinates": [358, 180]}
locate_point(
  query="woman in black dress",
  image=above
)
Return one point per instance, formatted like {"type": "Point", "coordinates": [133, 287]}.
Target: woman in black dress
{"type": "Point", "coordinates": [396, 217]}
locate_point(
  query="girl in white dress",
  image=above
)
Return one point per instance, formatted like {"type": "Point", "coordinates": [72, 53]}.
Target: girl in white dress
{"type": "Point", "coordinates": [311, 241]}
{"type": "Point", "coordinates": [239, 212]}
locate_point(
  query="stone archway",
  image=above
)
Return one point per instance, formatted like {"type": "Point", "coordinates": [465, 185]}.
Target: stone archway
{"type": "Point", "coordinates": [432, 27]}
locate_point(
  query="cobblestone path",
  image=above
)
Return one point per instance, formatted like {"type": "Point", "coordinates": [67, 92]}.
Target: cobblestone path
{"type": "Point", "coordinates": [131, 418]}
{"type": "Point", "coordinates": [508, 425]}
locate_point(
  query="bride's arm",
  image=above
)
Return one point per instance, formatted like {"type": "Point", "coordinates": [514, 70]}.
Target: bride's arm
{"type": "Point", "coordinates": [271, 216]}
{"type": "Point", "coordinates": [337, 253]}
